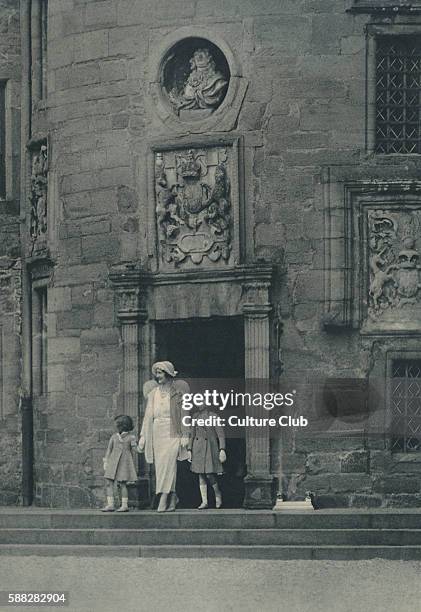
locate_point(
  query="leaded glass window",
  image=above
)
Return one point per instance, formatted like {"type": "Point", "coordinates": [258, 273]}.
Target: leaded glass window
{"type": "Point", "coordinates": [398, 90]}
{"type": "Point", "coordinates": [406, 405]}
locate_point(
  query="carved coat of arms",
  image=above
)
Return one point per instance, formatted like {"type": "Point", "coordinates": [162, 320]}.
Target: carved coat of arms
{"type": "Point", "coordinates": [193, 207]}
{"type": "Point", "coordinates": [394, 264]}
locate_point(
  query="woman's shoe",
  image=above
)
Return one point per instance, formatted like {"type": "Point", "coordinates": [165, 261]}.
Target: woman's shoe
{"type": "Point", "coordinates": [173, 503]}
{"type": "Point", "coordinates": [203, 506]}
{"type": "Point", "coordinates": [108, 509]}
{"type": "Point", "coordinates": [122, 509]}
{"type": "Point", "coordinates": [162, 506]}
{"type": "Point", "coordinates": [218, 501]}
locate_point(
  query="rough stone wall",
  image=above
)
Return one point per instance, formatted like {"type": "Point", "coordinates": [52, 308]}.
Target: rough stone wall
{"type": "Point", "coordinates": [10, 269]}
{"type": "Point", "coordinates": [304, 109]}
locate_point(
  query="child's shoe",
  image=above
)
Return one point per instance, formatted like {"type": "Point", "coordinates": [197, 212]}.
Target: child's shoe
{"type": "Point", "coordinates": [108, 508]}
{"type": "Point", "coordinates": [124, 505]}
{"type": "Point", "coordinates": [110, 505]}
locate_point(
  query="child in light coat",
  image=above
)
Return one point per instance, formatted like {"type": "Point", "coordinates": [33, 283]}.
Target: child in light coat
{"type": "Point", "coordinates": [207, 454]}
{"type": "Point", "coordinates": [119, 464]}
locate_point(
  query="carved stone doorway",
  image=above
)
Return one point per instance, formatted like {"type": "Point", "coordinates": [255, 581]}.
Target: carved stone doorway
{"type": "Point", "coordinates": [207, 348]}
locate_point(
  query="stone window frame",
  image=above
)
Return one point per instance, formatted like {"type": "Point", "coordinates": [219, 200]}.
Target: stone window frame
{"type": "Point", "coordinates": [346, 274]}
{"type": "Point", "coordinates": [390, 358]}
{"type": "Point", "coordinates": [9, 197]}
{"type": "Point", "coordinates": [373, 31]}
{"type": "Point", "coordinates": [377, 431]}
{"type": "Point", "coordinates": [40, 272]}
{"type": "Point", "coordinates": [39, 38]}
{"type": "Point", "coordinates": [39, 313]}
{"type": "Point", "coordinates": [225, 116]}
{"type": "Point", "coordinates": [233, 141]}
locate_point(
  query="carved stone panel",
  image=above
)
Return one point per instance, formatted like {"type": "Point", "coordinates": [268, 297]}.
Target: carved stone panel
{"type": "Point", "coordinates": [394, 268]}
{"type": "Point", "coordinates": [38, 212]}
{"type": "Point", "coordinates": [194, 207]}
{"type": "Point", "coordinates": [195, 78]}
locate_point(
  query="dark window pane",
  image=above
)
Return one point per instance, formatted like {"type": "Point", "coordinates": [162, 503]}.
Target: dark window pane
{"type": "Point", "coordinates": [398, 81]}
{"type": "Point", "coordinates": [406, 405]}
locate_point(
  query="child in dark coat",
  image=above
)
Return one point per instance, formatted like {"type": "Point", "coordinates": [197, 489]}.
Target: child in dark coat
{"type": "Point", "coordinates": [118, 462]}
{"type": "Point", "coordinates": [207, 454]}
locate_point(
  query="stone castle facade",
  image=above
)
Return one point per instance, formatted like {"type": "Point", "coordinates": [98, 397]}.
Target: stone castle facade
{"type": "Point", "coordinates": [178, 172]}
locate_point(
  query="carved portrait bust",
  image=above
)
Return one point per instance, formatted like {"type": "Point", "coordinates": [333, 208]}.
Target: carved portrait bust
{"type": "Point", "coordinates": [195, 78]}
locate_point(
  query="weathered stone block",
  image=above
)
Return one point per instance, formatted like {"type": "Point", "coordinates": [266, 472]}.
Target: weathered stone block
{"type": "Point", "coordinates": [287, 34]}
{"type": "Point", "coordinates": [402, 501]}
{"type": "Point", "coordinates": [331, 501]}
{"type": "Point", "coordinates": [365, 501]}
{"type": "Point", "coordinates": [81, 498]}
{"type": "Point", "coordinates": [78, 319]}
{"type": "Point", "coordinates": [397, 484]}
{"type": "Point", "coordinates": [56, 378]}
{"type": "Point", "coordinates": [94, 405]}
{"type": "Point", "coordinates": [106, 381]}
{"type": "Point", "coordinates": [82, 295]}
{"type": "Point", "coordinates": [99, 337]}
{"type": "Point", "coordinates": [354, 461]}
{"type": "Point", "coordinates": [90, 46]}
{"type": "Point", "coordinates": [63, 349]}
{"type": "Point", "coordinates": [100, 14]}
{"type": "Point", "coordinates": [317, 463]}
{"type": "Point", "coordinates": [350, 482]}
{"type": "Point", "coordinates": [328, 443]}
{"type": "Point", "coordinates": [59, 299]}
{"type": "Point", "coordinates": [55, 435]}
{"type": "Point", "coordinates": [104, 315]}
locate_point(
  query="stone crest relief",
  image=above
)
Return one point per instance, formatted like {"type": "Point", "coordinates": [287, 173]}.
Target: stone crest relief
{"type": "Point", "coordinates": [394, 261]}
{"type": "Point", "coordinates": [193, 207]}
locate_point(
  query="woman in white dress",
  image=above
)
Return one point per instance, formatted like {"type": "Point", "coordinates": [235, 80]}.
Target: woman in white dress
{"type": "Point", "coordinates": [163, 437]}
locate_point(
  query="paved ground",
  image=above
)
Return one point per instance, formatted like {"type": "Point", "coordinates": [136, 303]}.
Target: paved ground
{"type": "Point", "coordinates": [149, 585]}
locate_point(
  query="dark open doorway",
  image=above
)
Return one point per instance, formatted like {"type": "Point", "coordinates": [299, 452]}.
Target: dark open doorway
{"type": "Point", "coordinates": [213, 349]}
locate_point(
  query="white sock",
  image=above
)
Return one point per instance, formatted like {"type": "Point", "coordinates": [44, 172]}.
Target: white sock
{"type": "Point", "coordinates": [124, 502]}
{"type": "Point", "coordinates": [110, 501]}
{"type": "Point", "coordinates": [204, 493]}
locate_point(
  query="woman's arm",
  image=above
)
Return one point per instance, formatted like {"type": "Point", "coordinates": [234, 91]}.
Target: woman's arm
{"type": "Point", "coordinates": [145, 440]}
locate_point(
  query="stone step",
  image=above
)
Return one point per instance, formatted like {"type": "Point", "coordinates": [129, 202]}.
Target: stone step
{"type": "Point", "coordinates": [208, 519]}
{"type": "Point", "coordinates": [242, 552]}
{"type": "Point", "coordinates": [213, 537]}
